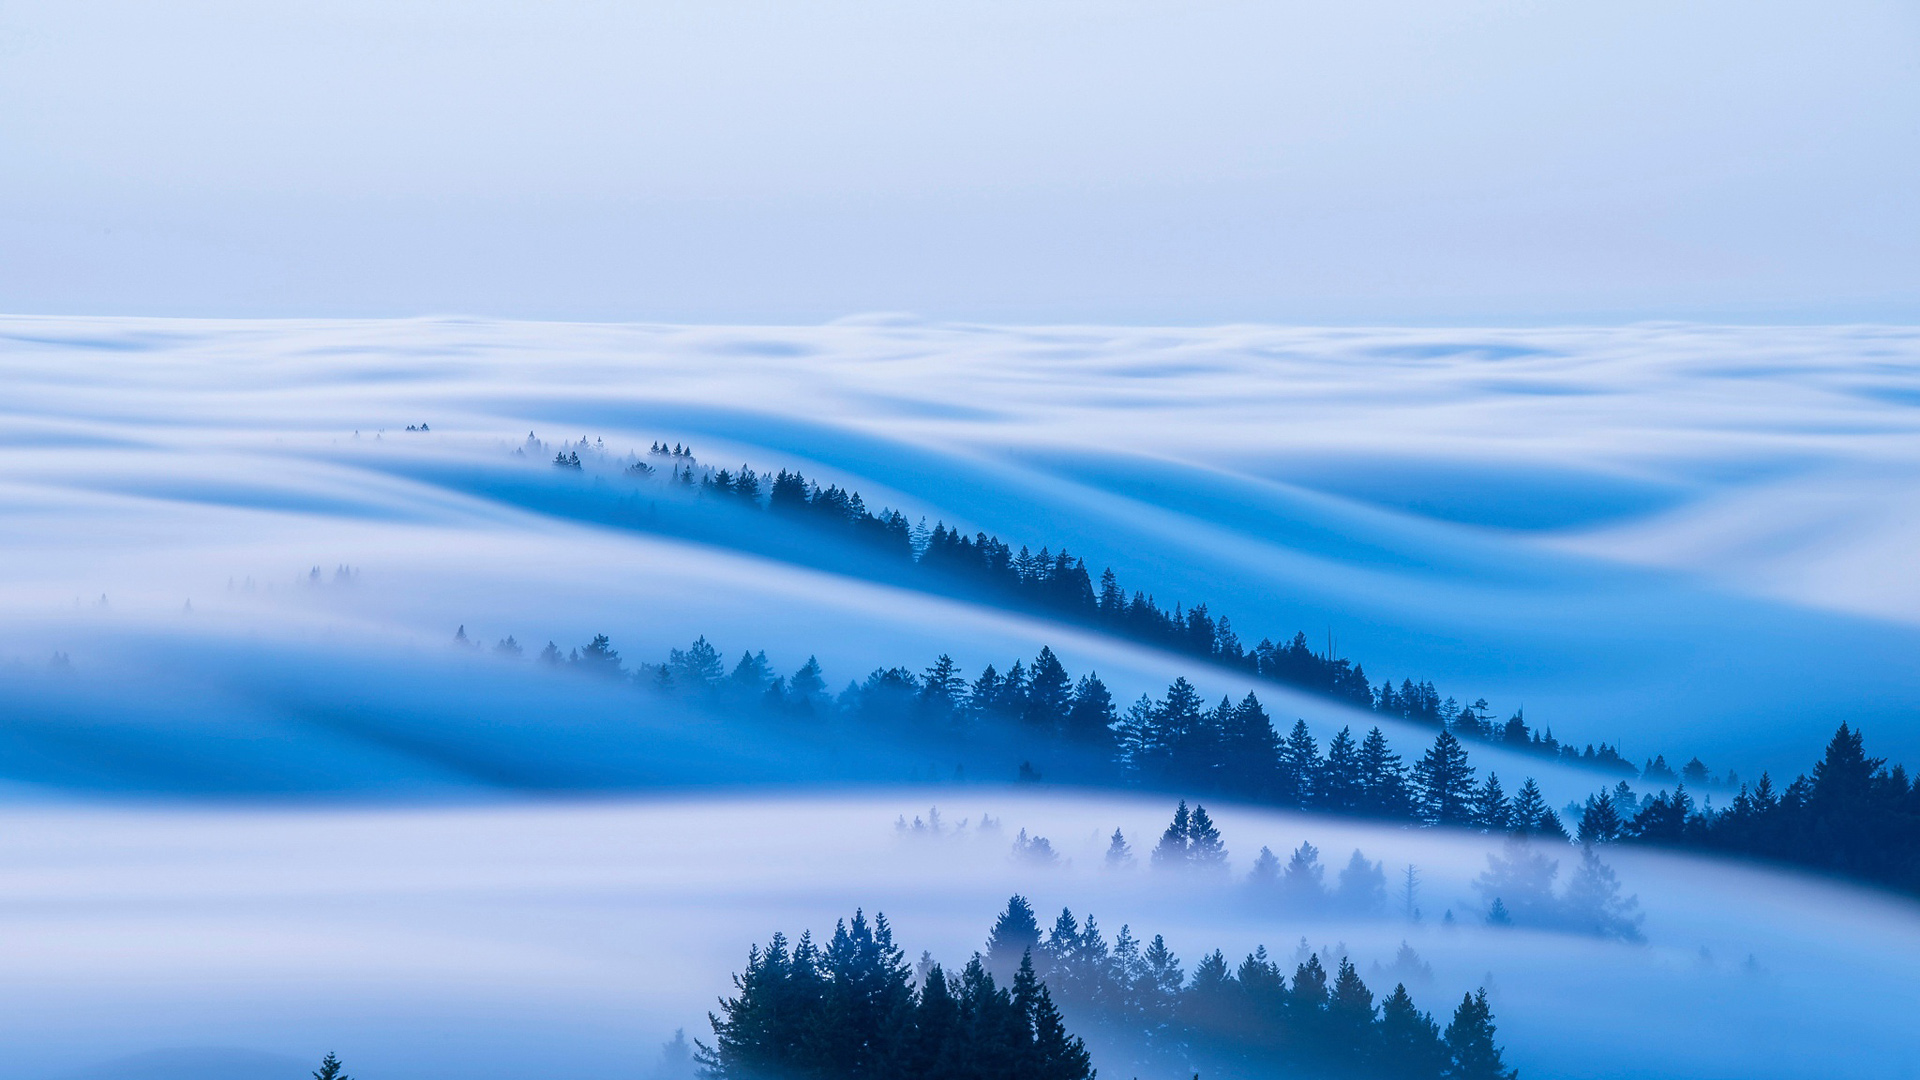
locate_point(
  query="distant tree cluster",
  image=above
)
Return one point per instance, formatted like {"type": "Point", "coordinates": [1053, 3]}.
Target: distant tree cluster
{"type": "Point", "coordinates": [1853, 816]}
{"type": "Point", "coordinates": [855, 1009]}
{"type": "Point", "coordinates": [852, 1011]}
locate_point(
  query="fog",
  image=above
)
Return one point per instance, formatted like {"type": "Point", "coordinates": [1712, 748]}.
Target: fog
{"type": "Point", "coordinates": [574, 937]}
{"type": "Point", "coordinates": [256, 797]}
{"type": "Point", "coordinates": [1598, 526]}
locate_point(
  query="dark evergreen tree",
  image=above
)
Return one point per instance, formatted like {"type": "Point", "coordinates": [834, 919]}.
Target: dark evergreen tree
{"type": "Point", "coordinates": [1299, 767]}
{"type": "Point", "coordinates": [1205, 851]}
{"type": "Point", "coordinates": [330, 1069]}
{"type": "Point", "coordinates": [1091, 718]}
{"type": "Point", "coordinates": [942, 690]}
{"type": "Point", "coordinates": [1384, 791]}
{"type": "Point", "coordinates": [1410, 1047]}
{"type": "Point", "coordinates": [1491, 810]}
{"type": "Point", "coordinates": [1443, 781]}
{"type": "Point", "coordinates": [1599, 821]}
{"type": "Point", "coordinates": [1342, 778]}
{"type": "Point", "coordinates": [1049, 694]}
{"type": "Point", "coordinates": [807, 690]}
{"type": "Point", "coordinates": [1015, 933]}
{"type": "Point", "coordinates": [1174, 849]}
{"type": "Point", "coordinates": [1470, 1043]}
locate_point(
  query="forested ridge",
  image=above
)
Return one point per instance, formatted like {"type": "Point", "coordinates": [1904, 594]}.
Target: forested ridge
{"type": "Point", "coordinates": [855, 1009]}
{"type": "Point", "coordinates": [1851, 815]}
{"type": "Point", "coordinates": [1059, 584]}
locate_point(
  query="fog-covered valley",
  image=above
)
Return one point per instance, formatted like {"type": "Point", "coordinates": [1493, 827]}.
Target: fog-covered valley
{"type": "Point", "coordinates": [260, 796]}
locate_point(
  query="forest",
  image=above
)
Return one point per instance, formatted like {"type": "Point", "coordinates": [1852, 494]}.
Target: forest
{"type": "Point", "coordinates": [1851, 815]}
{"type": "Point", "coordinates": [853, 1008]}
{"type": "Point", "coordinates": [1057, 583]}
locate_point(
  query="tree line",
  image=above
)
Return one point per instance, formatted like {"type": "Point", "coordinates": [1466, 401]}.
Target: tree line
{"type": "Point", "coordinates": [1854, 815]}
{"type": "Point", "coordinates": [1060, 584]}
{"type": "Point", "coordinates": [854, 1009]}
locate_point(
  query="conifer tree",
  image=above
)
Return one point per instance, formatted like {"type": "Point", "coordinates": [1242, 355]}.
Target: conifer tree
{"type": "Point", "coordinates": [1362, 888]}
{"type": "Point", "coordinates": [1205, 851]}
{"type": "Point", "coordinates": [1049, 694]}
{"type": "Point", "coordinates": [1409, 1046]}
{"type": "Point", "coordinates": [1119, 852]}
{"type": "Point", "coordinates": [942, 689]}
{"type": "Point", "coordinates": [1137, 740]}
{"type": "Point", "coordinates": [1015, 933]}
{"type": "Point", "coordinates": [1521, 878]}
{"type": "Point", "coordinates": [807, 690]}
{"type": "Point", "coordinates": [1491, 811]}
{"type": "Point", "coordinates": [1599, 821]}
{"type": "Point", "coordinates": [1444, 782]}
{"type": "Point", "coordinates": [1178, 714]}
{"type": "Point", "coordinates": [1383, 784]}
{"type": "Point", "coordinates": [1350, 1019]}
{"type": "Point", "coordinates": [1529, 816]}
{"type": "Point", "coordinates": [1342, 780]}
{"type": "Point", "coordinates": [1470, 1042]}
{"type": "Point", "coordinates": [1090, 718]}
{"type": "Point", "coordinates": [330, 1069]}
{"type": "Point", "coordinates": [1593, 903]}
{"type": "Point", "coordinates": [1174, 849]}
{"type": "Point", "coordinates": [1299, 767]}
{"type": "Point", "coordinates": [1266, 870]}
{"type": "Point", "coordinates": [1302, 881]}
{"type": "Point", "coordinates": [1059, 1056]}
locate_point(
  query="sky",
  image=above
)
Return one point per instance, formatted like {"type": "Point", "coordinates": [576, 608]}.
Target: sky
{"type": "Point", "coordinates": [1119, 161]}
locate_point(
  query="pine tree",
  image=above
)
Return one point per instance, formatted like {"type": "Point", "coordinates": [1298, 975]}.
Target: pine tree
{"type": "Point", "coordinates": [330, 1069]}
{"type": "Point", "coordinates": [1520, 878]}
{"type": "Point", "coordinates": [1350, 1019]}
{"type": "Point", "coordinates": [942, 689]}
{"type": "Point", "coordinates": [1173, 850]}
{"type": "Point", "coordinates": [1119, 852]}
{"type": "Point", "coordinates": [1252, 748]}
{"type": "Point", "coordinates": [1593, 902]}
{"type": "Point", "coordinates": [1059, 1056]}
{"type": "Point", "coordinates": [598, 658]}
{"type": "Point", "coordinates": [1090, 718]}
{"type": "Point", "coordinates": [1299, 767]}
{"type": "Point", "coordinates": [1205, 851]}
{"type": "Point", "coordinates": [1137, 740]}
{"type": "Point", "coordinates": [1600, 820]}
{"type": "Point", "coordinates": [696, 666]}
{"type": "Point", "coordinates": [1470, 1042]}
{"type": "Point", "coordinates": [1302, 881]}
{"type": "Point", "coordinates": [1530, 814]}
{"type": "Point", "coordinates": [1342, 779]}
{"type": "Point", "coordinates": [1177, 715]}
{"type": "Point", "coordinates": [807, 690]}
{"type": "Point", "coordinates": [1498, 915]}
{"type": "Point", "coordinates": [1383, 780]}
{"type": "Point", "coordinates": [1265, 874]}
{"type": "Point", "coordinates": [1015, 933]}
{"type": "Point", "coordinates": [1409, 1046]}
{"type": "Point", "coordinates": [1491, 811]}
{"type": "Point", "coordinates": [1049, 694]}
{"type": "Point", "coordinates": [1362, 888]}
{"type": "Point", "coordinates": [1444, 782]}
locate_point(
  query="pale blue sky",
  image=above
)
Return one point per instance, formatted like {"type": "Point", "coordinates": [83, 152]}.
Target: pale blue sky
{"type": "Point", "coordinates": [1112, 161]}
